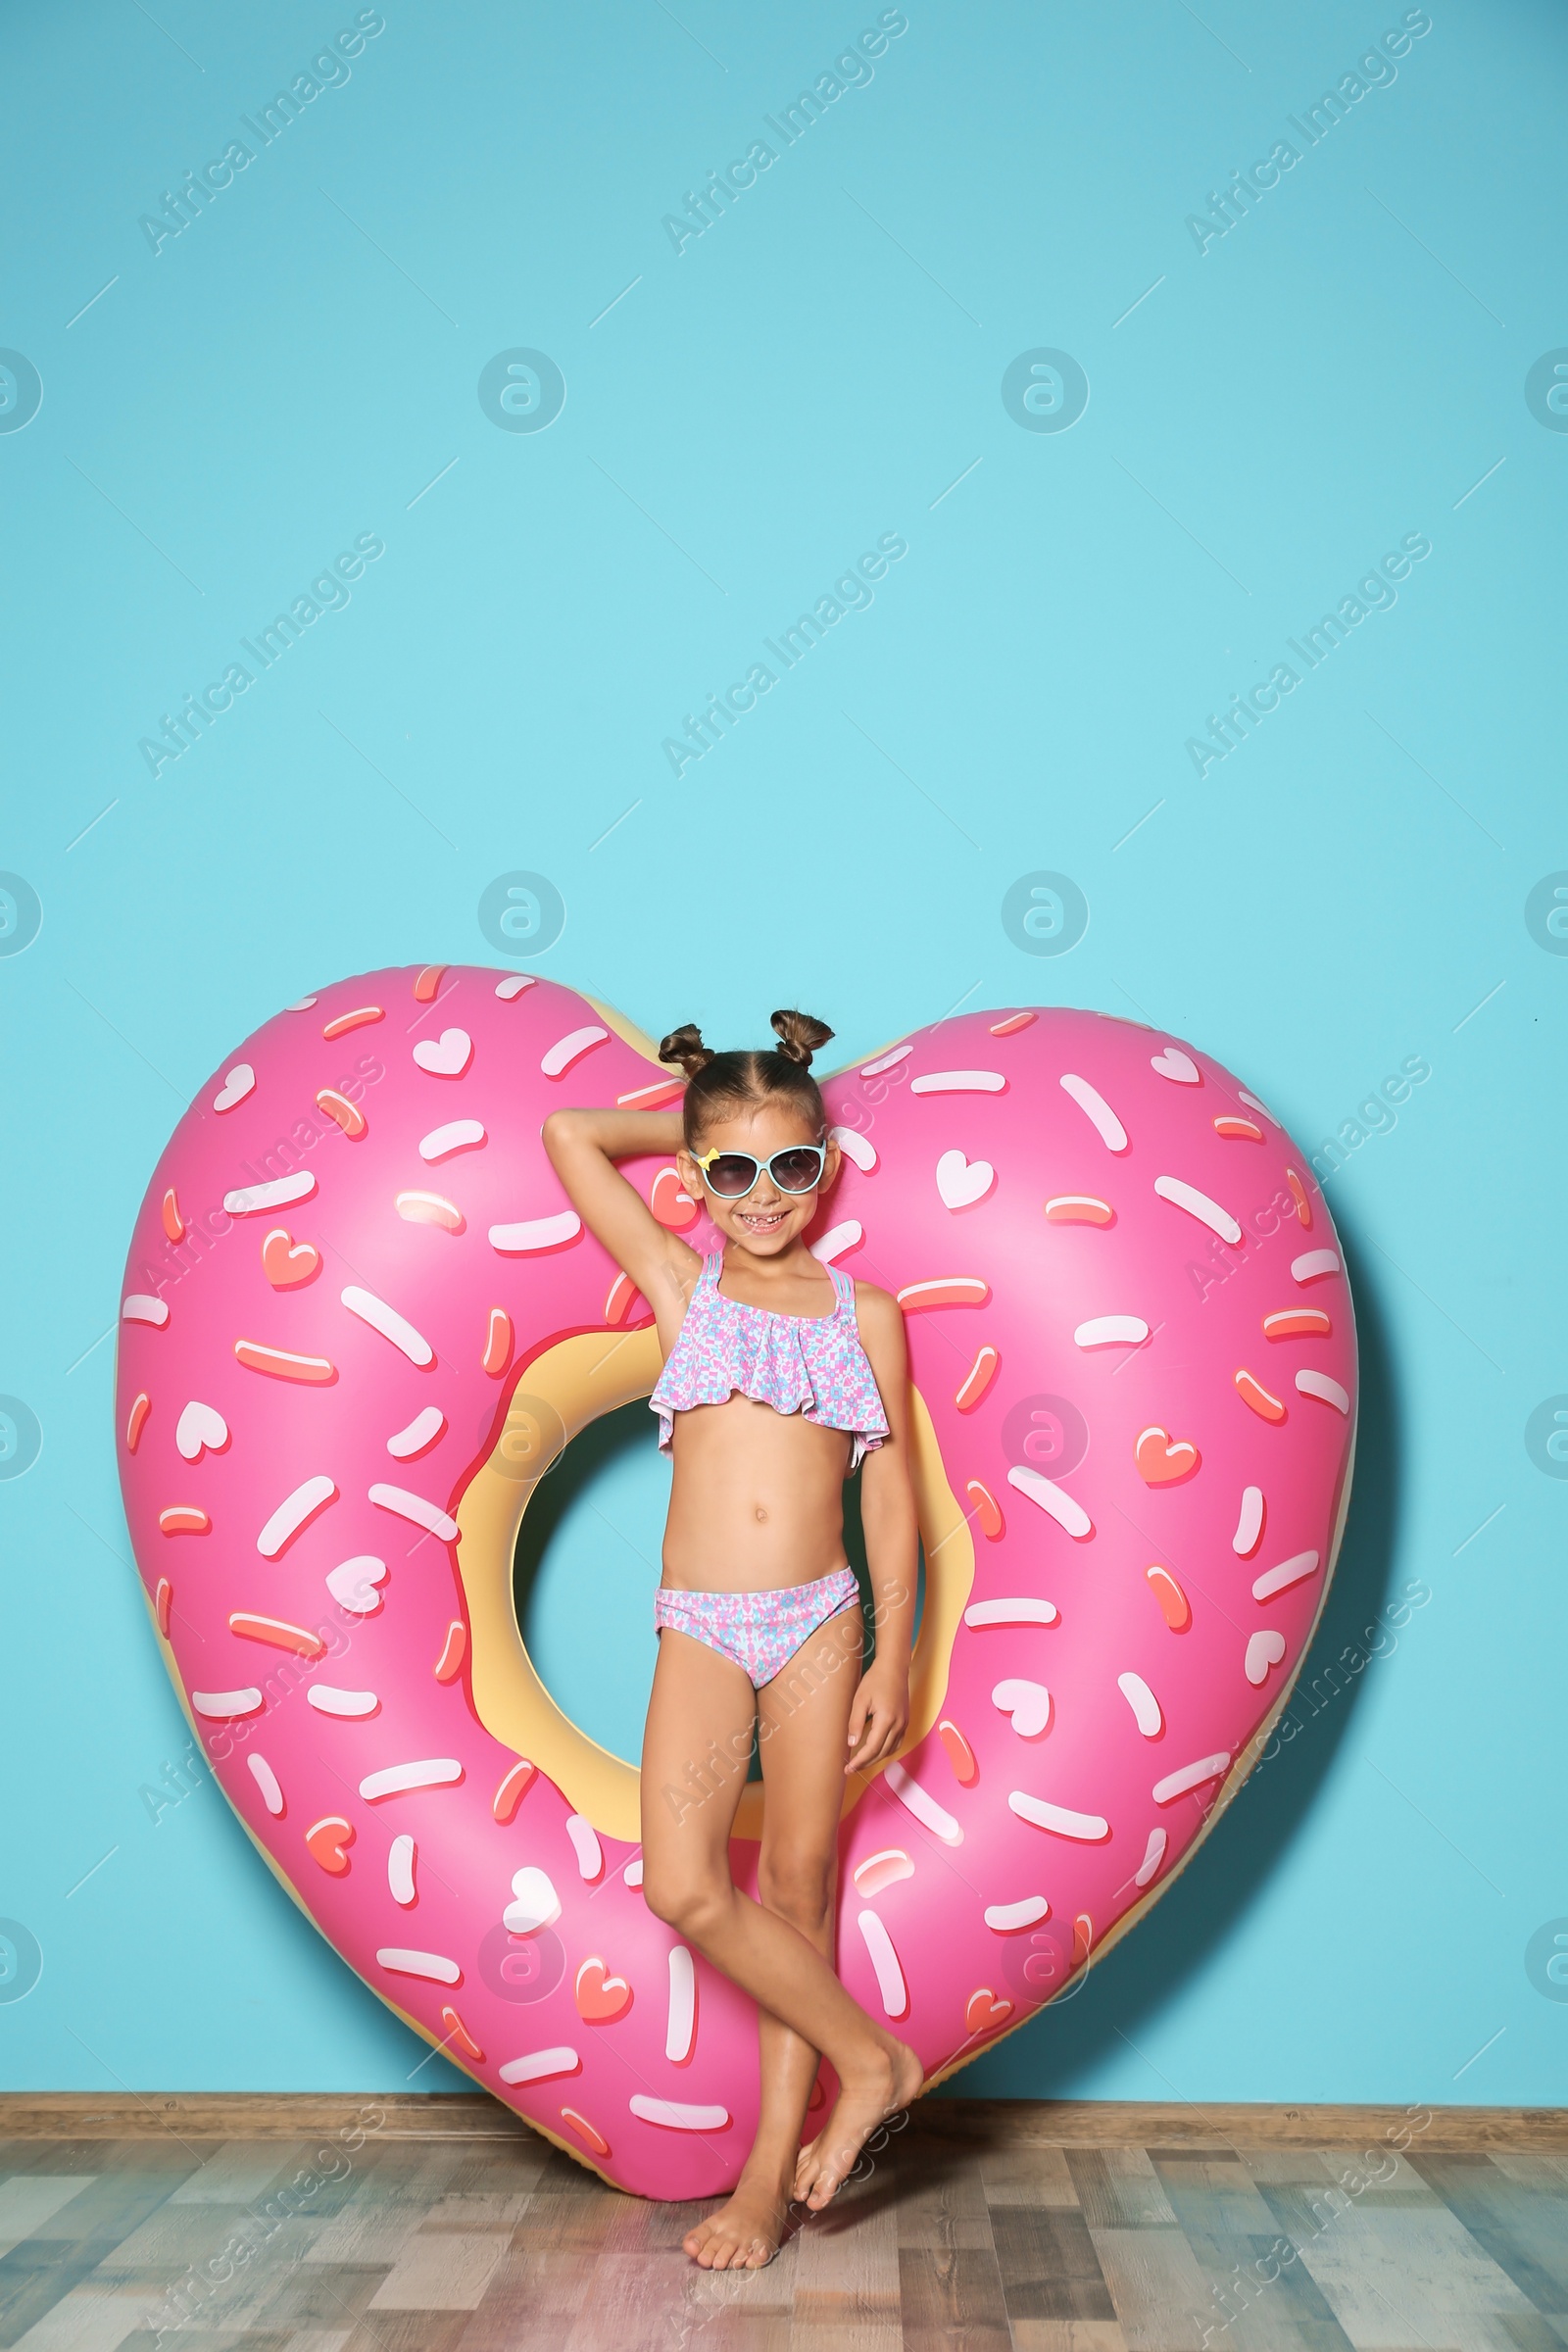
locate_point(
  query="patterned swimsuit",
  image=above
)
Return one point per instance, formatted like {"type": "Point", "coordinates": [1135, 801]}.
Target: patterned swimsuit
{"type": "Point", "coordinates": [811, 1364]}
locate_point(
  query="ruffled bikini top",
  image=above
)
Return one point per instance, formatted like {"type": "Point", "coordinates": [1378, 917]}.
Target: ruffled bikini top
{"type": "Point", "coordinates": [809, 1364]}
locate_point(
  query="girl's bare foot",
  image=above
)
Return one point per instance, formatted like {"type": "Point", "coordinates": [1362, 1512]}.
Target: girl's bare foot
{"type": "Point", "coordinates": [865, 2100]}
{"type": "Point", "coordinates": [744, 2233]}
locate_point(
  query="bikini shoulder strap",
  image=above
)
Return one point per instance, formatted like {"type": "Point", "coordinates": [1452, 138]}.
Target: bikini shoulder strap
{"type": "Point", "coordinates": [845, 1287]}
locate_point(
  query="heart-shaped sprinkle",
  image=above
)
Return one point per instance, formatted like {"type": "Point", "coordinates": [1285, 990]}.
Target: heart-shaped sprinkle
{"type": "Point", "coordinates": [1027, 1704]}
{"type": "Point", "coordinates": [601, 1998]}
{"type": "Point", "coordinates": [447, 1055]}
{"type": "Point", "coordinates": [200, 1425]}
{"type": "Point", "coordinates": [1163, 1459]}
{"type": "Point", "coordinates": [1263, 1650]}
{"type": "Point", "coordinates": [1173, 1063]}
{"type": "Point", "coordinates": [535, 1904]}
{"type": "Point", "coordinates": [353, 1584]}
{"type": "Point", "coordinates": [288, 1262]}
{"type": "Point", "coordinates": [962, 1182]}
{"type": "Point", "coordinates": [986, 2010]}
{"type": "Point", "coordinates": [240, 1082]}
{"type": "Point", "coordinates": [328, 1842]}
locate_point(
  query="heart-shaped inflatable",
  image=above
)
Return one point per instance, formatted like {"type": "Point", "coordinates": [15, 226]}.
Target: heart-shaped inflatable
{"type": "Point", "coordinates": [361, 1322]}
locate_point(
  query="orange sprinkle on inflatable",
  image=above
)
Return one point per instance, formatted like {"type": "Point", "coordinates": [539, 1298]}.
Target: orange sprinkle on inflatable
{"type": "Point", "coordinates": [1012, 1024]}
{"type": "Point", "coordinates": [1173, 1603]}
{"type": "Point", "coordinates": [1079, 1208]}
{"type": "Point", "coordinates": [624, 1297]}
{"type": "Point", "coordinates": [183, 1519]}
{"type": "Point", "coordinates": [428, 983]}
{"type": "Point", "coordinates": [328, 1843]}
{"type": "Point", "coordinates": [513, 1790]}
{"type": "Point", "coordinates": [1239, 1131]}
{"type": "Point", "coordinates": [280, 1365]}
{"type": "Point", "coordinates": [173, 1222]}
{"type": "Point", "coordinates": [449, 1665]}
{"type": "Point", "coordinates": [162, 1603]}
{"type": "Point", "coordinates": [348, 1115]}
{"type": "Point", "coordinates": [346, 1021]}
{"type": "Point", "coordinates": [985, 2011]}
{"type": "Point", "coordinates": [585, 2131]}
{"type": "Point", "coordinates": [1083, 1938]}
{"type": "Point", "coordinates": [987, 1509]}
{"type": "Point", "coordinates": [960, 1755]}
{"type": "Point", "coordinates": [977, 1380]}
{"type": "Point", "coordinates": [1298, 1323]}
{"type": "Point", "coordinates": [136, 1420]}
{"type": "Point", "coordinates": [674, 1208]}
{"type": "Point", "coordinates": [1252, 1392]}
{"type": "Point", "coordinates": [458, 2035]}
{"type": "Point", "coordinates": [1304, 1207]}
{"type": "Point", "coordinates": [498, 1343]}
{"type": "Point", "coordinates": [276, 1632]}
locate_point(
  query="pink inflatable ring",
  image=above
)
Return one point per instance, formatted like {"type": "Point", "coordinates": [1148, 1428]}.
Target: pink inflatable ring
{"type": "Point", "coordinates": [360, 1322]}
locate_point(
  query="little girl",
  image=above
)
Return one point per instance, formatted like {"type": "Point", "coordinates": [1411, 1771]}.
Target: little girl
{"type": "Point", "coordinates": [780, 1374]}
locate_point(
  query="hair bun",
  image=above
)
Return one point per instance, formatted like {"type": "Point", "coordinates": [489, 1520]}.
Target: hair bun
{"type": "Point", "coordinates": [685, 1046]}
{"type": "Point", "coordinates": [799, 1036]}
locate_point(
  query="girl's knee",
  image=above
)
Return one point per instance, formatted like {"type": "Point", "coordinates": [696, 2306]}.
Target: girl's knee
{"type": "Point", "coordinates": [692, 1903]}
{"type": "Point", "coordinates": [798, 1888]}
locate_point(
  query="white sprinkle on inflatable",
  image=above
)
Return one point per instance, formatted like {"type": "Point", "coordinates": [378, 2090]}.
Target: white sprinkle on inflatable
{"type": "Point", "coordinates": [1198, 1204]}
{"type": "Point", "coordinates": [352, 1584]}
{"type": "Point", "coordinates": [885, 1961]}
{"type": "Point", "coordinates": [1191, 1776]}
{"type": "Point", "coordinates": [1144, 1705]}
{"type": "Point", "coordinates": [675, 2115]}
{"type": "Point", "coordinates": [571, 1047]}
{"type": "Point", "coordinates": [1053, 1499]}
{"type": "Point", "coordinates": [457, 1135]}
{"type": "Point", "coordinates": [886, 1061]}
{"type": "Point", "coordinates": [1289, 1572]}
{"type": "Point", "coordinates": [881, 1870]}
{"type": "Point", "coordinates": [1021, 1611]}
{"type": "Point", "coordinates": [681, 2023]}
{"type": "Point", "coordinates": [586, 1847]}
{"type": "Point", "coordinates": [1028, 1704]}
{"type": "Point", "coordinates": [1318, 1384]}
{"type": "Point", "coordinates": [1096, 1110]}
{"type": "Point", "coordinates": [200, 1426]}
{"type": "Point", "coordinates": [389, 1323]}
{"type": "Point", "coordinates": [428, 1515]}
{"type": "Point", "coordinates": [927, 1812]}
{"type": "Point", "coordinates": [1057, 1818]}
{"type": "Point", "coordinates": [267, 1781]}
{"type": "Point", "coordinates": [855, 1147]}
{"type": "Point", "coordinates": [540, 2065]}
{"type": "Point", "coordinates": [513, 984]}
{"type": "Point", "coordinates": [1263, 1650]}
{"type": "Point", "coordinates": [447, 1055]}
{"type": "Point", "coordinates": [961, 1182]}
{"type": "Point", "coordinates": [537, 1233]}
{"type": "Point", "coordinates": [1253, 1104]}
{"type": "Point", "coordinates": [1176, 1065]}
{"type": "Point", "coordinates": [292, 1514]}
{"type": "Point", "coordinates": [534, 1904]}
{"type": "Point", "coordinates": [1313, 1263]}
{"type": "Point", "coordinates": [421, 1429]}
{"type": "Point", "coordinates": [222, 1706]}
{"type": "Point", "coordinates": [633, 1872]}
{"type": "Point", "coordinates": [838, 1239]}
{"type": "Point", "coordinates": [1005, 1918]}
{"type": "Point", "coordinates": [1250, 1524]}
{"type": "Point", "coordinates": [1154, 1856]}
{"type": "Point", "coordinates": [240, 1082]}
{"type": "Point", "coordinates": [433, 1965]}
{"type": "Point", "coordinates": [400, 1857]}
{"type": "Point", "coordinates": [253, 1198]}
{"type": "Point", "coordinates": [395, 1780]}
{"type": "Point", "coordinates": [300, 1004]}
{"type": "Point", "coordinates": [1111, 1331]}
{"type": "Point", "coordinates": [139, 1307]}
{"type": "Point", "coordinates": [958, 1082]}
{"type": "Point", "coordinates": [327, 1699]}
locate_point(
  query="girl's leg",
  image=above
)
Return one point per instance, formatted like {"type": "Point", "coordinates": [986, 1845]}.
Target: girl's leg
{"type": "Point", "coordinates": [694, 1766]}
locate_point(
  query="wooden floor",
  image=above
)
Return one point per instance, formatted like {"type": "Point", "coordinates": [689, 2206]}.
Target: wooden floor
{"type": "Point", "coordinates": [1049, 2229]}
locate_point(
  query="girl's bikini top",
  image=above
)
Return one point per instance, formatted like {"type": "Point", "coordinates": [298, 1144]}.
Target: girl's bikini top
{"type": "Point", "coordinates": [811, 1364]}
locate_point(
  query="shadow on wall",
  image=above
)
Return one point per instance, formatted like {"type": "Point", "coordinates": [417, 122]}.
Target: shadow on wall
{"type": "Point", "coordinates": [1117, 2001]}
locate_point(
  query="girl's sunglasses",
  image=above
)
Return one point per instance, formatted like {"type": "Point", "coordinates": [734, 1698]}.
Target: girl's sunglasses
{"type": "Point", "coordinates": [733, 1174]}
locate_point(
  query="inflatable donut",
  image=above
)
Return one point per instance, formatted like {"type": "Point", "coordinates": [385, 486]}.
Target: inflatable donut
{"type": "Point", "coordinates": [360, 1323]}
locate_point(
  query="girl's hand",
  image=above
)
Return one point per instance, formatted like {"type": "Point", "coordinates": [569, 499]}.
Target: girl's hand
{"type": "Point", "coordinates": [880, 1716]}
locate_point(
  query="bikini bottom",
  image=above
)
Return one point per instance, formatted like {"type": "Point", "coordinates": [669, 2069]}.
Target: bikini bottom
{"type": "Point", "coordinates": [758, 1632]}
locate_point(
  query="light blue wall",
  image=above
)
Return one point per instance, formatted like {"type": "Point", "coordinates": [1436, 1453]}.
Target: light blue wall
{"type": "Point", "coordinates": [1347, 889]}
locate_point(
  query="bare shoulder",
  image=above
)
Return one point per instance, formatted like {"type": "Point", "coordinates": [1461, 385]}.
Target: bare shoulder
{"type": "Point", "coordinates": [878, 1313]}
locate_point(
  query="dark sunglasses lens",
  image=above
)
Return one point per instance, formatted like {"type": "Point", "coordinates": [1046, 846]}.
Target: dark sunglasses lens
{"type": "Point", "coordinates": [732, 1173]}
{"type": "Point", "coordinates": [795, 1171]}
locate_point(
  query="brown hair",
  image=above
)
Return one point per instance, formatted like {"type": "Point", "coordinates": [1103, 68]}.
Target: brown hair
{"type": "Point", "coordinates": [721, 1083]}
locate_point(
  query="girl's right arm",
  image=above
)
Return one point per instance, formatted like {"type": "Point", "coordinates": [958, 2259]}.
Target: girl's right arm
{"type": "Point", "coordinates": [583, 1147]}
